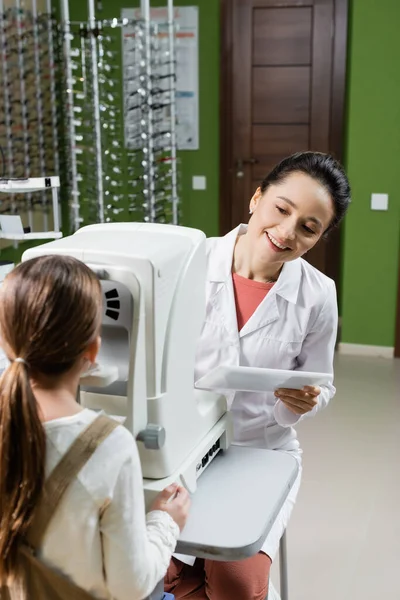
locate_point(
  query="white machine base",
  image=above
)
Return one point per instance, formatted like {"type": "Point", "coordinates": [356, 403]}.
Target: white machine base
{"type": "Point", "coordinates": [217, 439]}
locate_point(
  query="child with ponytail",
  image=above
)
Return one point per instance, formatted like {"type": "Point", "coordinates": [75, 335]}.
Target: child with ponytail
{"type": "Point", "coordinates": [99, 537]}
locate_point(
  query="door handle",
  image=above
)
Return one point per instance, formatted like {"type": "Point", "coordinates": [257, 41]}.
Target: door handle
{"type": "Point", "coordinates": [241, 162]}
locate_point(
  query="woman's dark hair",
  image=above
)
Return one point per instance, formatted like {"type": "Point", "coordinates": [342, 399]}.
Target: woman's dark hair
{"type": "Point", "coordinates": [50, 311]}
{"type": "Point", "coordinates": [321, 167]}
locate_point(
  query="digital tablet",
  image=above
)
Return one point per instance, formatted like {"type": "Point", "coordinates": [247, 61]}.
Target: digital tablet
{"type": "Point", "coordinates": [255, 379]}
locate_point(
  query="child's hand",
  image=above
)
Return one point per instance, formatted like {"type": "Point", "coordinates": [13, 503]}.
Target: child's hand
{"type": "Point", "coordinates": [174, 500]}
{"type": "Point", "coordinates": [299, 402]}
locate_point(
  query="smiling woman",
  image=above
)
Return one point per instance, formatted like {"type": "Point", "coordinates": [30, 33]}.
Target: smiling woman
{"type": "Point", "coordinates": [302, 198]}
{"type": "Point", "coordinates": [267, 307]}
{"type": "Point", "coordinates": [288, 220]}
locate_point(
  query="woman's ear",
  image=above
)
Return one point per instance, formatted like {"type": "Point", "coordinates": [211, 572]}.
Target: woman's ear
{"type": "Point", "coordinates": [255, 200]}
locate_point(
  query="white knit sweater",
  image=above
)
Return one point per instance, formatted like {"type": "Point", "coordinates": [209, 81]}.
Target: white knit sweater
{"type": "Point", "coordinates": [100, 536]}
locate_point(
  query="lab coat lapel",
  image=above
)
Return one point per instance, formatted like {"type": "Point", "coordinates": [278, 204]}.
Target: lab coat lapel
{"type": "Point", "coordinates": [220, 275]}
{"type": "Point", "coordinates": [265, 314]}
{"type": "Point", "coordinates": [285, 289]}
{"type": "Point", "coordinates": [223, 302]}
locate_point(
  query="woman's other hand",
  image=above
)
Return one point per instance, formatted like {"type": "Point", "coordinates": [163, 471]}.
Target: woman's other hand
{"type": "Point", "coordinates": [299, 402]}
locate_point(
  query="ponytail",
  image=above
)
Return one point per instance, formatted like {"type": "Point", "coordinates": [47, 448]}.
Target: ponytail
{"type": "Point", "coordinates": [22, 463]}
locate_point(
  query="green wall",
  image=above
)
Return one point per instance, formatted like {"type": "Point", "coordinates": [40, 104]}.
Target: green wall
{"type": "Point", "coordinates": [371, 238]}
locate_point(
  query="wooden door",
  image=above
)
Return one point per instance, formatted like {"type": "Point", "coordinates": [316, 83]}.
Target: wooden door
{"type": "Point", "coordinates": [282, 91]}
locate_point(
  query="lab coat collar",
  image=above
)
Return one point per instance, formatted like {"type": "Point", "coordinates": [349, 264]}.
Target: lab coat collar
{"type": "Point", "coordinates": [220, 268]}
{"type": "Point", "coordinates": [288, 284]}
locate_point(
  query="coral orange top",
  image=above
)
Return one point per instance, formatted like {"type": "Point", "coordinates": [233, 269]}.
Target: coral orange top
{"type": "Point", "coordinates": [248, 295]}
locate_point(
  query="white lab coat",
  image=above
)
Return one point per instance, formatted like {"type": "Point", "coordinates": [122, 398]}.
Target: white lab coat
{"type": "Point", "coordinates": [294, 327]}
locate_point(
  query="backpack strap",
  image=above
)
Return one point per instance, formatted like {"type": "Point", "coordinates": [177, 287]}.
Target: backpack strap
{"type": "Point", "coordinates": [63, 474]}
